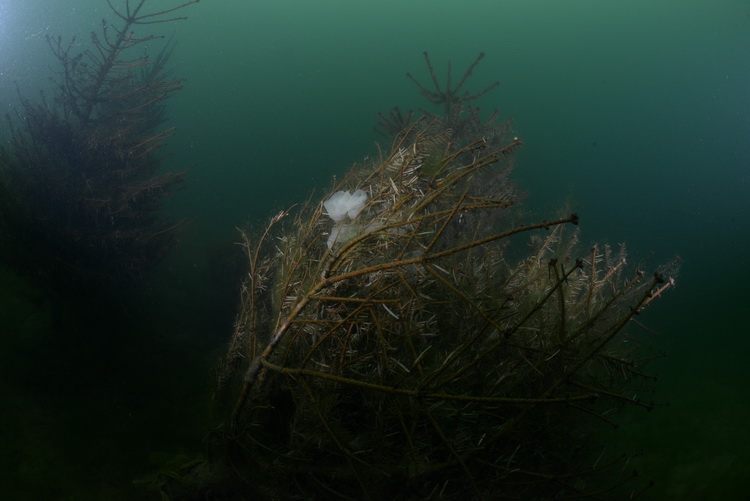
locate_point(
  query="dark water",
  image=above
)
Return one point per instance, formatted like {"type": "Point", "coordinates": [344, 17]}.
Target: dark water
{"type": "Point", "coordinates": [637, 114]}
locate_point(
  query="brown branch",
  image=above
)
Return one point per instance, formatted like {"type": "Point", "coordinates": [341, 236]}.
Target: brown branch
{"type": "Point", "coordinates": [421, 395]}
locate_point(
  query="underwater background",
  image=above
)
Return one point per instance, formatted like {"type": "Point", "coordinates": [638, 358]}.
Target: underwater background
{"type": "Point", "coordinates": [635, 114]}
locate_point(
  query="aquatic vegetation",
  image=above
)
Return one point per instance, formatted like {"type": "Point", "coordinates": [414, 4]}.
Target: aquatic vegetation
{"type": "Point", "coordinates": [80, 190]}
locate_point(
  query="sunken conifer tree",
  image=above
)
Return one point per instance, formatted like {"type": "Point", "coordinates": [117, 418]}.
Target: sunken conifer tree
{"type": "Point", "coordinates": [80, 187]}
{"type": "Point", "coordinates": [412, 336]}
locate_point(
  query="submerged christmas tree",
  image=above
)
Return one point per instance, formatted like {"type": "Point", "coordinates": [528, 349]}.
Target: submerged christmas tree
{"type": "Point", "coordinates": [407, 336]}
{"type": "Point", "coordinates": [80, 187]}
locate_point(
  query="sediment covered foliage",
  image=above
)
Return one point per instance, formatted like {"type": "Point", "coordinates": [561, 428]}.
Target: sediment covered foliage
{"type": "Point", "coordinates": [80, 187]}
{"type": "Point", "coordinates": [410, 358]}
{"type": "Point", "coordinates": [411, 336]}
